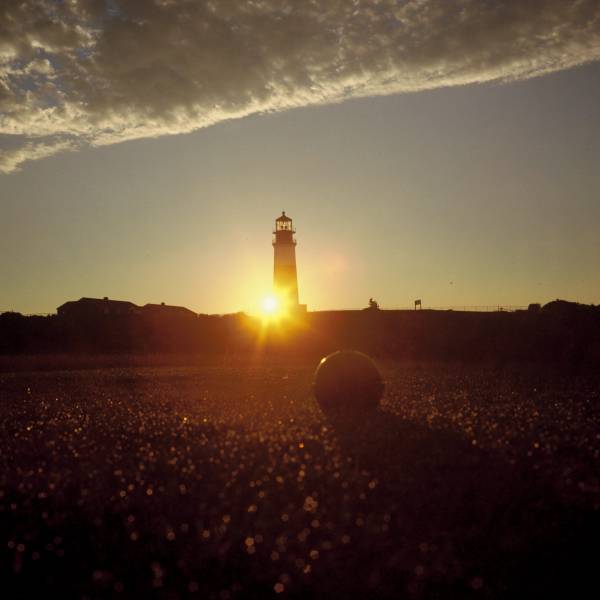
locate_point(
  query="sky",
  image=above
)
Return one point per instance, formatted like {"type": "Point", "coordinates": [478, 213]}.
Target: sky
{"type": "Point", "coordinates": [425, 149]}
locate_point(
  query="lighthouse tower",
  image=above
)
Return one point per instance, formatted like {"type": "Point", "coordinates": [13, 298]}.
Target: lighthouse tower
{"type": "Point", "coordinates": [285, 277]}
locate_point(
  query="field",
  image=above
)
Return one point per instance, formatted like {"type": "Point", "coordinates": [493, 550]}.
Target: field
{"type": "Point", "coordinates": [226, 481]}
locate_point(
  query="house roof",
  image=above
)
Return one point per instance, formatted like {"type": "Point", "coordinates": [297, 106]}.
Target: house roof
{"type": "Point", "coordinates": [168, 308]}
{"type": "Point", "coordinates": [125, 304]}
{"type": "Point", "coordinates": [99, 301]}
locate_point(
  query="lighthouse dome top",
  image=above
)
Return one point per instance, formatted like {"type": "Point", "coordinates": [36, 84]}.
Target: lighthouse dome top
{"type": "Point", "coordinates": [284, 224]}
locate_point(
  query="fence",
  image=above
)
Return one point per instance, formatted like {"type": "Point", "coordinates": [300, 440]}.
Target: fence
{"type": "Point", "coordinates": [461, 308]}
{"type": "Point", "coordinates": [482, 308]}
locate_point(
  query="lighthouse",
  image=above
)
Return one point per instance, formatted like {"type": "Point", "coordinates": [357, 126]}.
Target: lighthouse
{"type": "Point", "coordinates": [285, 277]}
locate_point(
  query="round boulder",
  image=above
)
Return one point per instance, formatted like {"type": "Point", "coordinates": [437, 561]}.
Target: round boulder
{"type": "Point", "coordinates": [347, 384]}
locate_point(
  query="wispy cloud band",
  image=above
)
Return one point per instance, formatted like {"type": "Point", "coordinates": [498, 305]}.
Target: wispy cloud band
{"type": "Point", "coordinates": [97, 72]}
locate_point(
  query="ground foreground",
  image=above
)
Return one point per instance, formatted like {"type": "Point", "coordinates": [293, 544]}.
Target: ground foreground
{"type": "Point", "coordinates": [227, 481]}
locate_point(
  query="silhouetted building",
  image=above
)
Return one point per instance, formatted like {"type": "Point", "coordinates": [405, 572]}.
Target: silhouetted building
{"type": "Point", "coordinates": [164, 310]}
{"type": "Point", "coordinates": [285, 276]}
{"type": "Point", "coordinates": [563, 307]}
{"type": "Point", "coordinates": [95, 307]}
{"type": "Point", "coordinates": [90, 308]}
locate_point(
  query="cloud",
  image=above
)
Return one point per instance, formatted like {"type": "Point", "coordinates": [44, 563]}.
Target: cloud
{"type": "Point", "coordinates": [11, 159]}
{"type": "Point", "coordinates": [95, 72]}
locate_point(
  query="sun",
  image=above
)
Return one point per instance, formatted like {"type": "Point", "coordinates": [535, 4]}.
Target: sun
{"type": "Point", "coordinates": [274, 308]}
{"type": "Point", "coordinates": [269, 306]}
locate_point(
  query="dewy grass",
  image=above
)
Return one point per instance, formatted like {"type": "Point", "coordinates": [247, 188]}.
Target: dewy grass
{"type": "Point", "coordinates": [227, 481]}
